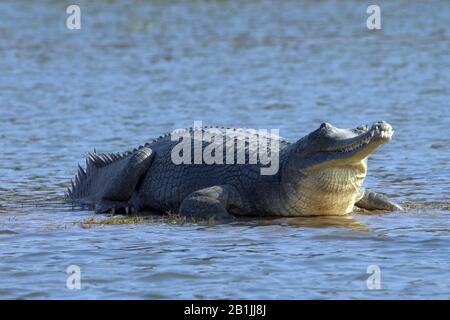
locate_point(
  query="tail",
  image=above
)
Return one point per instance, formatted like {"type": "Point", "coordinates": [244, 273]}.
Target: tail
{"type": "Point", "coordinates": [85, 184]}
{"type": "Point", "coordinates": [109, 179]}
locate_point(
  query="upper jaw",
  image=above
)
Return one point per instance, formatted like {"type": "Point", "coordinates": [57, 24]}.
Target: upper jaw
{"type": "Point", "coordinates": [380, 132]}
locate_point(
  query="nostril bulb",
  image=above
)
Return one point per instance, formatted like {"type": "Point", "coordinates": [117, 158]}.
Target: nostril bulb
{"type": "Point", "coordinates": [324, 125]}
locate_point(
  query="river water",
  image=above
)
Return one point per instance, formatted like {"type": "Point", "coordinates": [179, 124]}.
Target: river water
{"type": "Point", "coordinates": [138, 69]}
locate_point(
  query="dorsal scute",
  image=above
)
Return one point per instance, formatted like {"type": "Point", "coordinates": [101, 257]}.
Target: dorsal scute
{"type": "Point", "coordinates": [240, 135]}
{"type": "Point", "coordinates": [240, 132]}
{"type": "Point", "coordinates": [102, 159]}
{"type": "Point", "coordinates": [99, 160]}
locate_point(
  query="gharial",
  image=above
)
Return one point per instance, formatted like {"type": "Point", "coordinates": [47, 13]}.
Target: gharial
{"type": "Point", "coordinates": [320, 174]}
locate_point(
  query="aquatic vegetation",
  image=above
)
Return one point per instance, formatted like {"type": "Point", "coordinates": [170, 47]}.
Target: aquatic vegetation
{"type": "Point", "coordinates": [168, 218]}
{"type": "Point", "coordinates": [112, 220]}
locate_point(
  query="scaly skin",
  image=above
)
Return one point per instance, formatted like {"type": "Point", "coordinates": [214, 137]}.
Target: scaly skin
{"type": "Point", "coordinates": [320, 174]}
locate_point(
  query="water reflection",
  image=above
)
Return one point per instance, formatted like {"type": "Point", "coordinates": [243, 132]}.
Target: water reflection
{"type": "Point", "coordinates": [347, 221]}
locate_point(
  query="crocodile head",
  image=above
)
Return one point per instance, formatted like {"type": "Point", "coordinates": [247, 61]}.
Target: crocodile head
{"type": "Point", "coordinates": [329, 166]}
{"type": "Point", "coordinates": [329, 146]}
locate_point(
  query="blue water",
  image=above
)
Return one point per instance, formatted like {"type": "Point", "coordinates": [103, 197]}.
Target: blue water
{"type": "Point", "coordinates": [139, 69]}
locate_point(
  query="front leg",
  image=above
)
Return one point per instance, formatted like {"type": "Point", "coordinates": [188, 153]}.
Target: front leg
{"type": "Point", "coordinates": [375, 201]}
{"type": "Point", "coordinates": [210, 202]}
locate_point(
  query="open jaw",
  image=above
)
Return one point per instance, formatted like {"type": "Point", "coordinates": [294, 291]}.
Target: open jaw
{"type": "Point", "coordinates": [359, 147]}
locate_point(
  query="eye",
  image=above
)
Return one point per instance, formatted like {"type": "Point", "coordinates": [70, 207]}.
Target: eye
{"type": "Point", "coordinates": [325, 125]}
{"type": "Point", "coordinates": [364, 127]}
